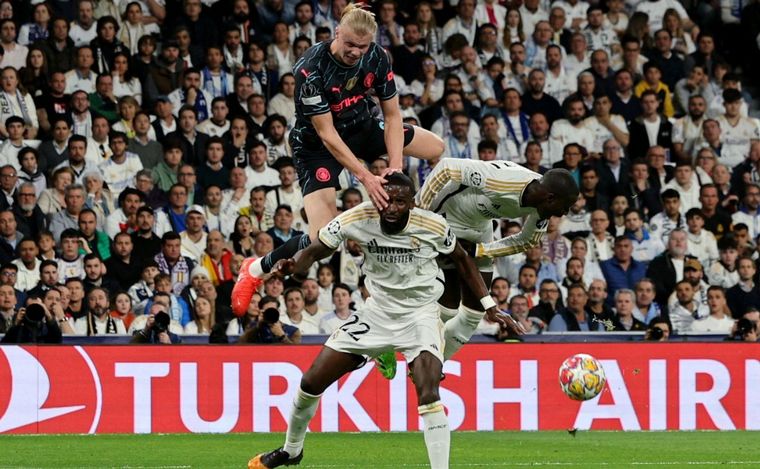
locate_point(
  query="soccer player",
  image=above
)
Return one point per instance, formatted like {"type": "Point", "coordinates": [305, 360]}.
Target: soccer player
{"type": "Point", "coordinates": [400, 245]}
{"type": "Point", "coordinates": [470, 195]}
{"type": "Point", "coordinates": [334, 124]}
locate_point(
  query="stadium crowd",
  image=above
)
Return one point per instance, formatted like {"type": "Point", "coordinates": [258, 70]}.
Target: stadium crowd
{"type": "Point", "coordinates": [145, 154]}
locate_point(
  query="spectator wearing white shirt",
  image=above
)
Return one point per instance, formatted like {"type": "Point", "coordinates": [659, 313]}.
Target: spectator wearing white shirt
{"type": "Point", "coordinates": [82, 77]}
{"type": "Point", "coordinates": [288, 193]}
{"type": "Point", "coordinates": [10, 148]}
{"type": "Point", "coordinates": [14, 54]}
{"type": "Point", "coordinates": [571, 129]}
{"type": "Point", "coordinates": [258, 173]}
{"type": "Point", "coordinates": [559, 84]}
{"type": "Point", "coordinates": [489, 11]}
{"type": "Point", "coordinates": [579, 58]}
{"type": "Point", "coordinates": [719, 320]}
{"type": "Point", "coordinates": [193, 238]}
{"type": "Point", "coordinates": [688, 129]}
{"type": "Point", "coordinates": [655, 11]}
{"type": "Point", "coordinates": [463, 23]}
{"type": "Point", "coordinates": [28, 275]}
{"type": "Point", "coordinates": [84, 28]}
{"type": "Point", "coordinates": [576, 11]}
{"type": "Point", "coordinates": [336, 318]}
{"type": "Point", "coordinates": [531, 13]}
{"type": "Point", "coordinates": [119, 170]}
{"type": "Point", "coordinates": [701, 242]}
{"type": "Point", "coordinates": [217, 124]}
{"type": "Point", "coordinates": [749, 210]}
{"type": "Point", "coordinates": [458, 144]}
{"type": "Point", "coordinates": [453, 101]}
{"type": "Point", "coordinates": [645, 246]}
{"type": "Point", "coordinates": [737, 132]}
{"type": "Point", "coordinates": [492, 131]}
{"type": "Point", "coordinates": [661, 224]}
{"type": "Point", "coordinates": [14, 102]}
{"type": "Point", "coordinates": [604, 126]}
{"type": "Point", "coordinates": [98, 320]}
{"type": "Point", "coordinates": [516, 74]}
{"type": "Point", "coordinates": [684, 182]}
{"type": "Point", "coordinates": [598, 36]}
{"type": "Point", "coordinates": [295, 314]}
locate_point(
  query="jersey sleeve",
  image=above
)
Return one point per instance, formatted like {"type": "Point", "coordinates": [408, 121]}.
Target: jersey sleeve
{"type": "Point", "coordinates": [449, 242]}
{"type": "Point", "coordinates": [531, 234]}
{"type": "Point", "coordinates": [385, 85]}
{"type": "Point", "coordinates": [310, 90]}
{"type": "Point", "coordinates": [343, 226]}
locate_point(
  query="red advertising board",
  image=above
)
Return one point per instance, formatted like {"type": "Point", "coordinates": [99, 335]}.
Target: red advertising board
{"type": "Point", "coordinates": [132, 389]}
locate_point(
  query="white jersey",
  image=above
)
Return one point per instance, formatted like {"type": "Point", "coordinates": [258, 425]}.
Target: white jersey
{"type": "Point", "coordinates": [687, 132]}
{"type": "Point", "coordinates": [601, 133]}
{"type": "Point", "coordinates": [563, 133]}
{"type": "Point", "coordinates": [473, 193]}
{"type": "Point", "coordinates": [401, 269]}
{"type": "Point", "coordinates": [736, 139]}
{"type": "Point", "coordinates": [560, 86]}
{"type": "Point", "coordinates": [119, 176]}
{"type": "Point", "coordinates": [604, 38]}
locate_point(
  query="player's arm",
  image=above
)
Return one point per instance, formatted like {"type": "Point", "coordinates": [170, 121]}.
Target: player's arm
{"type": "Point", "coordinates": [394, 132]}
{"type": "Point", "coordinates": [443, 180]}
{"type": "Point", "coordinates": [471, 278]}
{"type": "Point", "coordinates": [299, 265]}
{"type": "Point", "coordinates": [323, 124]}
{"type": "Point", "coordinates": [530, 236]}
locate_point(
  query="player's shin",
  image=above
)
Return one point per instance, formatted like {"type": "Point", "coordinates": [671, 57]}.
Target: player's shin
{"type": "Point", "coordinates": [286, 251]}
{"type": "Point", "coordinates": [304, 408]}
{"type": "Point", "coordinates": [447, 313]}
{"type": "Point", "coordinates": [459, 329]}
{"type": "Point", "coordinates": [437, 434]}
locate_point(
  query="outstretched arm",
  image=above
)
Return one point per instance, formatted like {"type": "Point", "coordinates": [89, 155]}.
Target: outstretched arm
{"type": "Point", "coordinates": [471, 278]}
{"type": "Point", "coordinates": [530, 236]}
{"type": "Point", "coordinates": [303, 260]}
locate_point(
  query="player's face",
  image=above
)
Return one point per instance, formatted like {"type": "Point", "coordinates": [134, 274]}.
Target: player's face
{"type": "Point", "coordinates": [554, 206]}
{"type": "Point", "coordinates": [351, 46]}
{"type": "Point", "coordinates": [394, 217]}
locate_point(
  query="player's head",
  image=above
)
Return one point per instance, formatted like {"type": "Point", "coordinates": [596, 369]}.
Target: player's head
{"type": "Point", "coordinates": [561, 193]}
{"type": "Point", "coordinates": [400, 191]}
{"type": "Point", "coordinates": [354, 34]}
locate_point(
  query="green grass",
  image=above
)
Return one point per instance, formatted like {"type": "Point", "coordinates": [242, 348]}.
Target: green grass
{"type": "Point", "coordinates": [389, 450]}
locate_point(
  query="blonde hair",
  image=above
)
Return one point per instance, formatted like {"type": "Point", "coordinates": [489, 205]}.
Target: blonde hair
{"type": "Point", "coordinates": [360, 21]}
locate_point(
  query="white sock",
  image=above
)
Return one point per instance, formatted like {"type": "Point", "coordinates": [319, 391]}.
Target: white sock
{"type": "Point", "coordinates": [304, 407]}
{"type": "Point", "coordinates": [447, 313]}
{"type": "Point", "coordinates": [255, 268]}
{"type": "Point", "coordinates": [459, 329]}
{"type": "Point", "coordinates": [437, 434]}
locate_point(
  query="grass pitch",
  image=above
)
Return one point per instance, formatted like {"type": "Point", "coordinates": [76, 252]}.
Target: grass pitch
{"type": "Point", "coordinates": [388, 450]}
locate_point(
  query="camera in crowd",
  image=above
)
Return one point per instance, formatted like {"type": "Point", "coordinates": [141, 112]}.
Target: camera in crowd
{"type": "Point", "coordinates": [270, 316]}
{"type": "Point", "coordinates": [35, 314]}
{"type": "Point", "coordinates": [745, 331]}
{"type": "Point", "coordinates": [161, 322]}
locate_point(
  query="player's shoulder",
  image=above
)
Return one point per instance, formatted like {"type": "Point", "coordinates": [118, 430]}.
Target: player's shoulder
{"type": "Point", "coordinates": [363, 211]}
{"type": "Point", "coordinates": [427, 221]}
{"type": "Point", "coordinates": [313, 56]}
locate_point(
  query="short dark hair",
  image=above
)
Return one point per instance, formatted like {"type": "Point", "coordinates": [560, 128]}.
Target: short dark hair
{"type": "Point", "coordinates": [169, 236]}
{"type": "Point", "coordinates": [670, 194]}
{"type": "Point", "coordinates": [400, 179]}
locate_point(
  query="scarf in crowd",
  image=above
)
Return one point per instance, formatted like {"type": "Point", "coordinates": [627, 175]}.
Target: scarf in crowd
{"type": "Point", "coordinates": [201, 107]}
{"type": "Point", "coordinates": [180, 273]}
{"type": "Point", "coordinates": [233, 61]}
{"type": "Point", "coordinates": [36, 33]}
{"type": "Point", "coordinates": [524, 128]}
{"type": "Point", "coordinates": [208, 84]}
{"type": "Point", "coordinates": [92, 328]}
{"type": "Point", "coordinates": [6, 106]}
{"type": "Point", "coordinates": [218, 273]}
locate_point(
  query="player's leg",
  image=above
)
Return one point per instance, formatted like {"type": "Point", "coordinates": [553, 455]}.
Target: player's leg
{"type": "Point", "coordinates": [460, 328]}
{"type": "Point", "coordinates": [318, 177]}
{"type": "Point", "coordinates": [424, 144]}
{"type": "Point", "coordinates": [426, 372]}
{"type": "Point", "coordinates": [327, 368]}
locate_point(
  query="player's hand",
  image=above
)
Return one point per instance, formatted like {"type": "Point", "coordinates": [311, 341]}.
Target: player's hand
{"type": "Point", "coordinates": [389, 170]}
{"type": "Point", "coordinates": [283, 268]}
{"type": "Point", "coordinates": [505, 321]}
{"type": "Point", "coordinates": [374, 186]}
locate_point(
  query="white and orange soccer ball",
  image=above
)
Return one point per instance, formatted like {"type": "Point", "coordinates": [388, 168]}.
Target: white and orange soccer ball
{"type": "Point", "coordinates": [581, 377]}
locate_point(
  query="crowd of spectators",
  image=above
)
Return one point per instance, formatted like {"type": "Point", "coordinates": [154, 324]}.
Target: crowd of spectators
{"type": "Point", "coordinates": [145, 154]}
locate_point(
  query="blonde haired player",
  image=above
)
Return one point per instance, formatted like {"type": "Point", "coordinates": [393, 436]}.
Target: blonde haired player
{"type": "Point", "coordinates": [470, 195]}
{"type": "Point", "coordinates": [400, 244]}
{"type": "Point", "coordinates": [334, 125]}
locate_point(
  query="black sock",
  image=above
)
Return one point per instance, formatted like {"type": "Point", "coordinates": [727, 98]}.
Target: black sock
{"type": "Point", "coordinates": [286, 251]}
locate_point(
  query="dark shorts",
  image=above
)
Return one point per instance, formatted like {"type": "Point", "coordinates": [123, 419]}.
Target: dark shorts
{"type": "Point", "coordinates": [318, 169]}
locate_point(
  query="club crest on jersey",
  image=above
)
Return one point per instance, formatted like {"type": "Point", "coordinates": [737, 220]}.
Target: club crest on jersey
{"type": "Point", "coordinates": [334, 227]}
{"type": "Point", "coordinates": [369, 79]}
{"type": "Point", "coordinates": [351, 83]}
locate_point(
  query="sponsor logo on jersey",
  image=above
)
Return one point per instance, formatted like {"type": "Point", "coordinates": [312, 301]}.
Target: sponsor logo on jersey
{"type": "Point", "coordinates": [348, 102]}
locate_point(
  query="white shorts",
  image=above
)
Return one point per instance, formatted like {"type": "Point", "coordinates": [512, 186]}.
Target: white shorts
{"type": "Point", "coordinates": [370, 332]}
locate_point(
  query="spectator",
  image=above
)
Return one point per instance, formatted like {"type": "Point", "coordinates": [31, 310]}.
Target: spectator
{"type": "Point", "coordinates": [658, 330]}
{"type": "Point", "coordinates": [749, 210]}
{"type": "Point", "coordinates": [717, 220]}
{"type": "Point", "coordinates": [122, 267]}
{"type": "Point", "coordinates": [625, 320]}
{"type": "Point", "coordinates": [48, 278]}
{"type": "Point", "coordinates": [601, 242]}
{"type": "Point", "coordinates": [294, 313]}
{"type": "Point", "coordinates": [32, 330]}
{"type": "Point", "coordinates": [646, 309]}
{"type": "Point", "coordinates": [686, 185]}
{"type": "Point", "coordinates": [701, 243]}
{"type": "Point", "coordinates": [745, 293]}
{"type": "Point", "coordinates": [331, 321]}
{"type": "Point", "coordinates": [150, 332]}
{"type": "Point", "coordinates": [216, 258]}
{"type": "Point", "coordinates": [600, 303]}
{"type": "Point", "coordinates": [94, 270]}
{"type": "Point", "coordinates": [687, 309]}
{"type": "Point", "coordinates": [575, 317]}
{"type": "Point", "coordinates": [724, 272]}
{"type": "Point", "coordinates": [663, 223]}
{"type": "Point", "coordinates": [203, 318]}
{"type": "Point", "coordinates": [28, 265]}
{"type": "Point", "coordinates": [98, 319]}
{"type": "Point", "coordinates": [668, 268]}
{"type": "Point", "coordinates": [720, 319]}
{"type": "Point", "coordinates": [622, 270]}
{"type": "Point", "coordinates": [687, 129]}
{"type": "Point", "coordinates": [694, 274]}
{"type": "Point", "coordinates": [69, 217]}
{"type": "Point", "coordinates": [550, 300]}
{"type": "Point", "coordinates": [94, 241]}
{"type": "Point", "coordinates": [122, 308]}
{"type": "Point", "coordinates": [172, 263]}
{"type": "Point", "coordinates": [645, 247]}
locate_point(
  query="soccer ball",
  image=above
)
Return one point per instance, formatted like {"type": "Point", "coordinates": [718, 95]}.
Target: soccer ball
{"type": "Point", "coordinates": [581, 377]}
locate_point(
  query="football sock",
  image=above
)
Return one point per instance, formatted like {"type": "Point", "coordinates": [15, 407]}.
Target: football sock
{"type": "Point", "coordinates": [304, 408]}
{"type": "Point", "coordinates": [459, 329]}
{"type": "Point", "coordinates": [437, 434]}
{"type": "Point", "coordinates": [447, 313]}
{"type": "Point", "coordinates": [286, 251]}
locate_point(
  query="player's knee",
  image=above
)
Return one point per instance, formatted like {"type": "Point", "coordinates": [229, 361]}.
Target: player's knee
{"type": "Point", "coordinates": [428, 394]}
{"type": "Point", "coordinates": [309, 385]}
